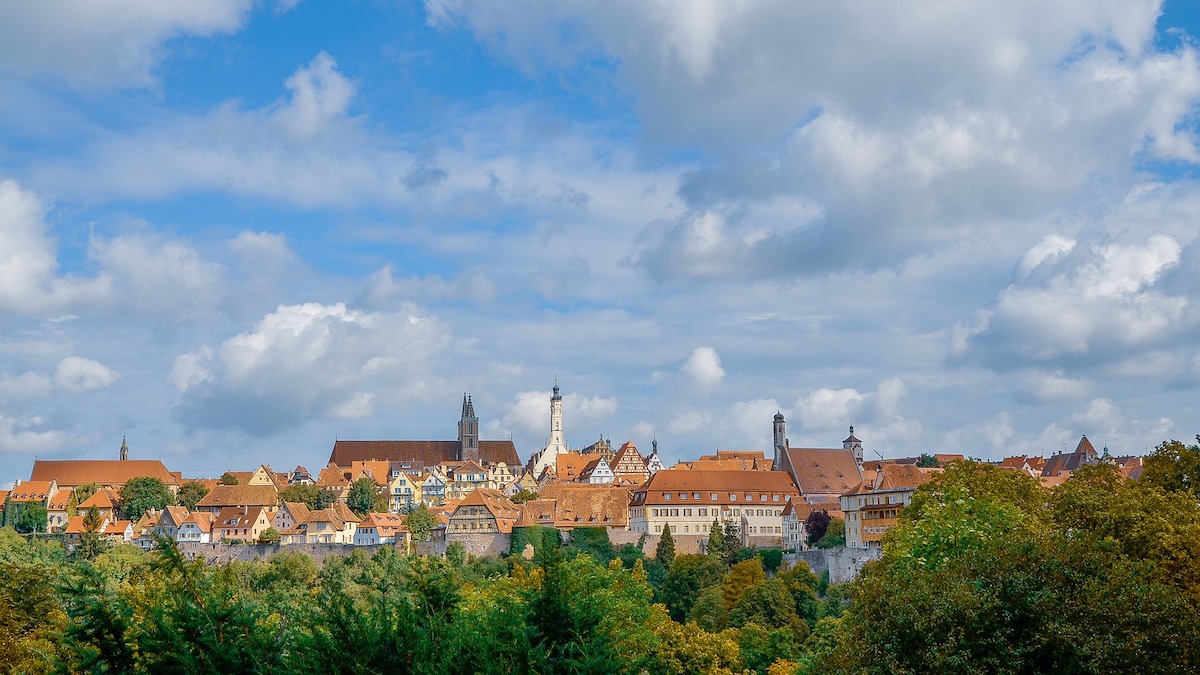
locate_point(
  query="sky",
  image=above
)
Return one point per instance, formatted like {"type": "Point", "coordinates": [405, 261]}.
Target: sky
{"type": "Point", "coordinates": [236, 231]}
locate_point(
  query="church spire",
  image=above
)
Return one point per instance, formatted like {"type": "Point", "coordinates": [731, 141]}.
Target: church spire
{"type": "Point", "coordinates": [124, 449]}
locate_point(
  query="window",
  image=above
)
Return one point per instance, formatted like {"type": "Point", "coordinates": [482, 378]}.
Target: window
{"type": "Point", "coordinates": [704, 512]}
{"type": "Point", "coordinates": [737, 512]}
{"type": "Point", "coordinates": [774, 498]}
{"type": "Point", "coordinates": [762, 498]}
{"type": "Point", "coordinates": [674, 514]}
{"type": "Point", "coordinates": [683, 495]}
{"type": "Point", "coordinates": [685, 529]}
{"type": "Point", "coordinates": [732, 497]}
{"type": "Point", "coordinates": [667, 495]}
{"type": "Point", "coordinates": [713, 496]}
{"type": "Point", "coordinates": [749, 497]}
{"type": "Point", "coordinates": [687, 512]}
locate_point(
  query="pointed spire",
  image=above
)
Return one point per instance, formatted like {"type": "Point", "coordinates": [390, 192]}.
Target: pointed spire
{"type": "Point", "coordinates": [124, 449]}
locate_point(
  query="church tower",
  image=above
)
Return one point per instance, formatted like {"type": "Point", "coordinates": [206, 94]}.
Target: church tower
{"type": "Point", "coordinates": [468, 432]}
{"type": "Point", "coordinates": [854, 445]}
{"type": "Point", "coordinates": [558, 442]}
{"type": "Point", "coordinates": [124, 450]}
{"type": "Point", "coordinates": [781, 441]}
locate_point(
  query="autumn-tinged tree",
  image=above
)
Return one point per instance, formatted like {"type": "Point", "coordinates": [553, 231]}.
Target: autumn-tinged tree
{"type": "Point", "coordinates": [523, 496]}
{"type": "Point", "coordinates": [228, 478]}
{"type": "Point", "coordinates": [815, 525]}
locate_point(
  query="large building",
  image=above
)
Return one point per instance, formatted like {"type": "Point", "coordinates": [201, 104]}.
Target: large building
{"type": "Point", "coordinates": [431, 453]}
{"type": "Point", "coordinates": [822, 474]}
{"type": "Point", "coordinates": [688, 501]}
{"type": "Point", "coordinates": [106, 473]}
{"type": "Point", "coordinates": [872, 508]}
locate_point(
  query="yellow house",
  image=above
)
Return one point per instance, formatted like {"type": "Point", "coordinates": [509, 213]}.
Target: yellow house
{"type": "Point", "coordinates": [404, 490]}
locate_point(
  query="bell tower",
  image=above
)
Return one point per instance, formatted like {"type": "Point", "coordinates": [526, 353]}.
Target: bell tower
{"type": "Point", "coordinates": [468, 432]}
{"type": "Point", "coordinates": [781, 441]}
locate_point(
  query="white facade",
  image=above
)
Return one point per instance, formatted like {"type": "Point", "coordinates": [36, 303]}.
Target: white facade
{"type": "Point", "coordinates": [548, 457]}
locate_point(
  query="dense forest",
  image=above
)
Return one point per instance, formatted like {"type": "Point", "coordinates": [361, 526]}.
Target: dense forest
{"type": "Point", "coordinates": [987, 572]}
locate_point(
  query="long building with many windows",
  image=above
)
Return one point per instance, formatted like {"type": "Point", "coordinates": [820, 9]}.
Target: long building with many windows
{"type": "Point", "coordinates": [688, 501]}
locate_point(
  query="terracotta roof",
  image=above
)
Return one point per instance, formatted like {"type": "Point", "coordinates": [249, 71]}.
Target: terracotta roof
{"type": "Point", "coordinates": [726, 464]}
{"type": "Point", "coordinates": [30, 491]}
{"type": "Point", "coordinates": [893, 477]}
{"type": "Point", "coordinates": [202, 520]}
{"type": "Point", "coordinates": [824, 471]}
{"type": "Point", "coordinates": [749, 455]}
{"type": "Point", "coordinates": [426, 452]}
{"type": "Point", "coordinates": [377, 470]}
{"type": "Point", "coordinates": [583, 504]}
{"type": "Point", "coordinates": [1084, 455]}
{"type": "Point", "coordinates": [386, 524]}
{"type": "Point", "coordinates": [241, 517]}
{"type": "Point", "coordinates": [175, 514]}
{"type": "Point", "coordinates": [568, 465]}
{"type": "Point", "coordinates": [59, 501]}
{"type": "Point", "coordinates": [332, 476]}
{"type": "Point", "coordinates": [73, 472]}
{"type": "Point", "coordinates": [239, 495]}
{"type": "Point", "coordinates": [946, 458]}
{"type": "Point", "coordinates": [504, 511]}
{"type": "Point", "coordinates": [103, 499]}
{"type": "Point", "coordinates": [298, 510]}
{"type": "Point", "coordinates": [673, 482]}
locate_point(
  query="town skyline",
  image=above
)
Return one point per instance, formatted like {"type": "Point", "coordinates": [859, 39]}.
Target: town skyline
{"type": "Point", "coordinates": [250, 229]}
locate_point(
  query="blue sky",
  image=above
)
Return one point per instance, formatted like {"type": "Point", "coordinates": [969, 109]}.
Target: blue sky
{"type": "Point", "coordinates": [235, 231]}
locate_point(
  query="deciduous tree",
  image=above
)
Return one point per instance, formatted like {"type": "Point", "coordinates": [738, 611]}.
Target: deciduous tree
{"type": "Point", "coordinates": [143, 493]}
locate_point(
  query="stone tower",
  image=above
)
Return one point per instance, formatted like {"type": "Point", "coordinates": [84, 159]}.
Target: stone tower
{"type": "Point", "coordinates": [781, 441]}
{"type": "Point", "coordinates": [124, 449]}
{"type": "Point", "coordinates": [468, 432]}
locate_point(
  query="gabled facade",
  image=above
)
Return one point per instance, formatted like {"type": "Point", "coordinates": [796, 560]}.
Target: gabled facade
{"type": "Point", "coordinates": [629, 463]}
{"type": "Point", "coordinates": [238, 496]}
{"type": "Point", "coordinates": [241, 523]}
{"type": "Point", "coordinates": [403, 491]}
{"type": "Point", "coordinates": [380, 528]}
{"type": "Point", "coordinates": [596, 472]}
{"type": "Point", "coordinates": [196, 528]}
{"type": "Point", "coordinates": [483, 511]}
{"type": "Point", "coordinates": [872, 507]}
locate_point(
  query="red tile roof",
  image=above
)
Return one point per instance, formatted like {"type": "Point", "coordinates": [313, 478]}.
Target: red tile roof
{"type": "Point", "coordinates": [428, 453]}
{"type": "Point", "coordinates": [115, 472]}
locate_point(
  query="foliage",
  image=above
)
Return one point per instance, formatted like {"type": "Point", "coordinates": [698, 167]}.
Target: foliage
{"type": "Point", "coordinates": [91, 542]}
{"type": "Point", "coordinates": [228, 479]}
{"type": "Point", "coordinates": [815, 525]}
{"type": "Point", "coordinates": [835, 534]}
{"type": "Point", "coordinates": [539, 536]}
{"type": "Point", "coordinates": [716, 540]}
{"type": "Point", "coordinates": [709, 611]}
{"type": "Point", "coordinates": [456, 554]}
{"type": "Point", "coordinates": [523, 496]}
{"type": "Point", "coordinates": [1174, 467]}
{"type": "Point", "coordinates": [664, 552]}
{"type": "Point", "coordinates": [190, 493]}
{"type": "Point", "coordinates": [302, 494]}
{"type": "Point", "coordinates": [771, 558]}
{"type": "Point", "coordinates": [419, 523]}
{"type": "Point", "coordinates": [740, 578]}
{"type": "Point", "coordinates": [630, 555]}
{"type": "Point", "coordinates": [84, 492]}
{"type": "Point", "coordinates": [733, 538]}
{"type": "Point", "coordinates": [324, 499]}
{"type": "Point", "coordinates": [593, 541]}
{"type": "Point", "coordinates": [30, 518]}
{"type": "Point", "coordinates": [268, 536]}
{"type": "Point", "coordinates": [31, 618]}
{"type": "Point", "coordinates": [365, 497]}
{"type": "Point", "coordinates": [139, 495]}
{"type": "Point", "coordinates": [928, 461]}
{"type": "Point", "coordinates": [688, 576]}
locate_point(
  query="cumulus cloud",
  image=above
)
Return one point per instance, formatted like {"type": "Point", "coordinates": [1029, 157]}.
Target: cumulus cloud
{"type": "Point", "coordinates": [1097, 301]}
{"type": "Point", "coordinates": [29, 280]}
{"type": "Point", "coordinates": [305, 362]}
{"type": "Point", "coordinates": [29, 435]}
{"type": "Point", "coordinates": [99, 44]}
{"type": "Point", "coordinates": [77, 374]}
{"type": "Point", "coordinates": [25, 386]}
{"type": "Point", "coordinates": [320, 95]}
{"type": "Point", "coordinates": [530, 413]}
{"type": "Point", "coordinates": [828, 408]}
{"type": "Point", "coordinates": [704, 367]}
{"type": "Point", "coordinates": [150, 274]}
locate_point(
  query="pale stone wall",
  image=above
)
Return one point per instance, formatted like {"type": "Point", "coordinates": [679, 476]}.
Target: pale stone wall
{"type": "Point", "coordinates": [843, 564]}
{"type": "Point", "coordinates": [225, 553]}
{"type": "Point", "coordinates": [480, 544]}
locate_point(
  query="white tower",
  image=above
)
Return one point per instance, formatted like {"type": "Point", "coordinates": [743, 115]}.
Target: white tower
{"type": "Point", "coordinates": [781, 441]}
{"type": "Point", "coordinates": [558, 442]}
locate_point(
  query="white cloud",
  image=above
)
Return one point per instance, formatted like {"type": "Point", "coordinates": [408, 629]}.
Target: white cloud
{"type": "Point", "coordinates": [304, 362]}
{"type": "Point", "coordinates": [829, 408]}
{"type": "Point", "coordinates": [1098, 302]}
{"type": "Point", "coordinates": [28, 258]}
{"type": "Point", "coordinates": [25, 386]}
{"type": "Point", "coordinates": [104, 43]}
{"type": "Point", "coordinates": [77, 374]}
{"type": "Point", "coordinates": [262, 247]}
{"type": "Point", "coordinates": [704, 367]}
{"type": "Point", "coordinates": [31, 435]}
{"type": "Point", "coordinates": [150, 274]}
{"type": "Point", "coordinates": [319, 97]}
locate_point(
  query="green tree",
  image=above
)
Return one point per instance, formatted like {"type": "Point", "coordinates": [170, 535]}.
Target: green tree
{"type": "Point", "coordinates": [716, 541]}
{"type": "Point", "coordinates": [740, 578]}
{"type": "Point", "coordinates": [664, 552]}
{"type": "Point", "coordinates": [456, 554]}
{"type": "Point", "coordinates": [91, 542]}
{"type": "Point", "coordinates": [365, 497]}
{"type": "Point", "coordinates": [420, 522]}
{"type": "Point", "coordinates": [523, 496]}
{"type": "Point", "coordinates": [1174, 467]}
{"type": "Point", "coordinates": [190, 493]}
{"type": "Point", "coordinates": [687, 577]}
{"type": "Point", "coordinates": [85, 492]}
{"type": "Point", "coordinates": [709, 611]}
{"type": "Point", "coordinates": [325, 498]}
{"type": "Point", "coordinates": [31, 517]}
{"type": "Point", "coordinates": [268, 536]}
{"type": "Point", "coordinates": [835, 534]}
{"type": "Point", "coordinates": [302, 494]}
{"type": "Point", "coordinates": [927, 460]}
{"type": "Point", "coordinates": [733, 538]}
{"type": "Point", "coordinates": [143, 493]}
{"type": "Point", "coordinates": [228, 478]}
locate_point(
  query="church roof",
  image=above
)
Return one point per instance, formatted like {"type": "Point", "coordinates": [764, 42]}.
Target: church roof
{"type": "Point", "coordinates": [75, 472]}
{"type": "Point", "coordinates": [824, 470]}
{"type": "Point", "coordinates": [428, 453]}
